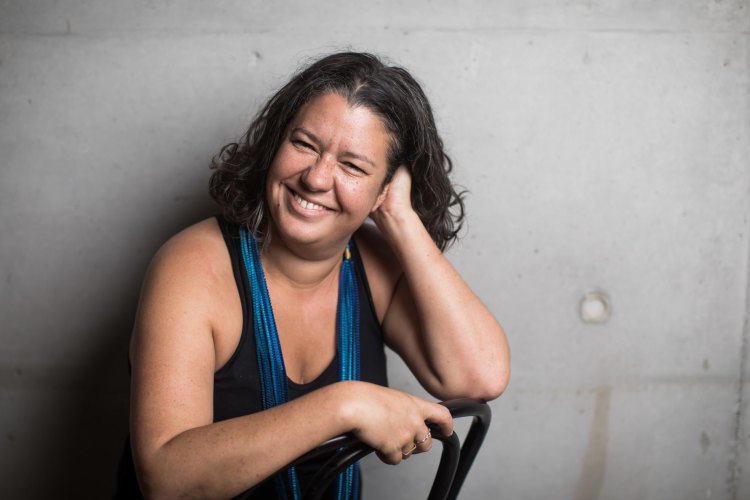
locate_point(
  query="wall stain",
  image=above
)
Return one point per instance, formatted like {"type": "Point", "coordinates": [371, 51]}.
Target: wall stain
{"type": "Point", "coordinates": [591, 480]}
{"type": "Point", "coordinates": [705, 442]}
{"type": "Point", "coordinates": [255, 58]}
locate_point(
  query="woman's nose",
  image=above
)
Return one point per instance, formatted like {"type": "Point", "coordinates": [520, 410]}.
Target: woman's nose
{"type": "Point", "coordinates": [319, 175]}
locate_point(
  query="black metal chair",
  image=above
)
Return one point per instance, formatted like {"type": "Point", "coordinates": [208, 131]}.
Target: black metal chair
{"type": "Point", "coordinates": [455, 460]}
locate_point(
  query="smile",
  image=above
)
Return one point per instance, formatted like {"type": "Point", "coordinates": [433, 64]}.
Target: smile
{"type": "Point", "coordinates": [307, 205]}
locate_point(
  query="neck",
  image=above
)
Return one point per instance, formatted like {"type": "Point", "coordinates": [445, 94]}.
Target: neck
{"type": "Point", "coordinates": [283, 264]}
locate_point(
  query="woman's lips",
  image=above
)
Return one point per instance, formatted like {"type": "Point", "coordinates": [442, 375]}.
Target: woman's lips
{"type": "Point", "coordinates": [307, 204]}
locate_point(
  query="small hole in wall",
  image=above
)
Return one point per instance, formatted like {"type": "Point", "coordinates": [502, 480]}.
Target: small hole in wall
{"type": "Point", "coordinates": [595, 307]}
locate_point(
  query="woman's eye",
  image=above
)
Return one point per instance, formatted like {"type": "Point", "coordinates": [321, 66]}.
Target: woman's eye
{"type": "Point", "coordinates": [353, 167]}
{"type": "Point", "coordinates": [302, 144]}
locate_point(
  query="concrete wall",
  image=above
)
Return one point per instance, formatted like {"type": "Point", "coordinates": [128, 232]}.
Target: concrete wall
{"type": "Point", "coordinates": [606, 146]}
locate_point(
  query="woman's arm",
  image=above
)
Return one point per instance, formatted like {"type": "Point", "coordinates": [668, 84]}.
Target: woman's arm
{"type": "Point", "coordinates": [450, 340]}
{"type": "Point", "coordinates": [178, 450]}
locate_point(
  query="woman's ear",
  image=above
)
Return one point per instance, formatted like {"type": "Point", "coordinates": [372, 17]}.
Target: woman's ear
{"type": "Point", "coordinates": [381, 197]}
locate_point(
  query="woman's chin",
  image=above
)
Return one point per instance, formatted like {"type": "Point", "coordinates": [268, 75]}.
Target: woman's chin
{"type": "Point", "coordinates": [316, 238]}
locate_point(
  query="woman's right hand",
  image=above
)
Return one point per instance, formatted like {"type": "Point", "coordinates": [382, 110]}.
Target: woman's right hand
{"type": "Point", "coordinates": [393, 422]}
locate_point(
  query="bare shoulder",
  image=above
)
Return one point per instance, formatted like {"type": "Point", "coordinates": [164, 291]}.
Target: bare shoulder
{"type": "Point", "coordinates": [188, 282]}
{"type": "Point", "coordinates": [197, 250]}
{"type": "Point", "coordinates": [381, 265]}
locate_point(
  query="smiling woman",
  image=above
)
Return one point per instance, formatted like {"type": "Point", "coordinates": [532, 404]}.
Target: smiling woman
{"type": "Point", "coordinates": [328, 174]}
{"type": "Point", "coordinates": [260, 333]}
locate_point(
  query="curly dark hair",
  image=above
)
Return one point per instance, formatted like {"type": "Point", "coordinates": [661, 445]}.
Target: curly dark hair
{"type": "Point", "coordinates": [240, 169]}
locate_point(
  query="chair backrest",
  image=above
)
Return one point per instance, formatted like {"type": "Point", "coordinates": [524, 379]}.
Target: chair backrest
{"type": "Point", "coordinates": [455, 460]}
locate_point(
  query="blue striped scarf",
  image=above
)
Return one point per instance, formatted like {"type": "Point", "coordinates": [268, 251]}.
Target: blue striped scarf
{"type": "Point", "coordinates": [273, 379]}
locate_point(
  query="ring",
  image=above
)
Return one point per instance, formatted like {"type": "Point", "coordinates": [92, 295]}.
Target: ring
{"type": "Point", "coordinates": [428, 436]}
{"type": "Point", "coordinates": [406, 454]}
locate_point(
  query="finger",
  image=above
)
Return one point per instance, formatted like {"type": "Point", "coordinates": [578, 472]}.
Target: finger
{"type": "Point", "coordinates": [408, 450]}
{"type": "Point", "coordinates": [390, 458]}
{"type": "Point", "coordinates": [424, 443]}
{"type": "Point", "coordinates": [404, 174]}
{"type": "Point", "coordinates": [404, 169]}
{"type": "Point", "coordinates": [440, 415]}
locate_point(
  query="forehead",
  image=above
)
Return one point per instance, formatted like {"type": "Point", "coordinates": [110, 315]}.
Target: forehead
{"type": "Point", "coordinates": [334, 120]}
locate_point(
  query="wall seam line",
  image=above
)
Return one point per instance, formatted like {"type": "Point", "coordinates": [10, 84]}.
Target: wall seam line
{"type": "Point", "coordinates": [734, 466]}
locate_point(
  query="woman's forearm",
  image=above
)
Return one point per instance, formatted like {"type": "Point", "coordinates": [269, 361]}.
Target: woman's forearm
{"type": "Point", "coordinates": [223, 459]}
{"type": "Point", "coordinates": [464, 345]}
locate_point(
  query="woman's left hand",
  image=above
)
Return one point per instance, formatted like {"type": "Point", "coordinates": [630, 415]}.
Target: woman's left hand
{"type": "Point", "coordinates": [397, 202]}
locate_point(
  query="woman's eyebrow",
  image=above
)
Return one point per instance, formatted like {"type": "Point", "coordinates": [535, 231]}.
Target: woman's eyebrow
{"type": "Point", "coordinates": [359, 157]}
{"type": "Point", "coordinates": [314, 138]}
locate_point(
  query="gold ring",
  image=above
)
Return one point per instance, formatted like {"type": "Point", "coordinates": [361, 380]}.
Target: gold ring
{"type": "Point", "coordinates": [406, 454]}
{"type": "Point", "coordinates": [428, 436]}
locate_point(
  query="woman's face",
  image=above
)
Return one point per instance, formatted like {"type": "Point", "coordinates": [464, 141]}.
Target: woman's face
{"type": "Point", "coordinates": [328, 173]}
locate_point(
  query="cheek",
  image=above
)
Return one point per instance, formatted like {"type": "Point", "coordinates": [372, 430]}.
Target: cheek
{"type": "Point", "coordinates": [363, 195]}
{"type": "Point", "coordinates": [273, 186]}
{"type": "Point", "coordinates": [286, 162]}
{"type": "Point", "coordinates": [277, 169]}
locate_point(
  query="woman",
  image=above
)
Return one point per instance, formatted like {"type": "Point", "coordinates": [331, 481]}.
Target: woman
{"type": "Point", "coordinates": [260, 333]}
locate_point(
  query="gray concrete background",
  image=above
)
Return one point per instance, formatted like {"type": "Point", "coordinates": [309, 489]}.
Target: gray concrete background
{"type": "Point", "coordinates": [606, 146]}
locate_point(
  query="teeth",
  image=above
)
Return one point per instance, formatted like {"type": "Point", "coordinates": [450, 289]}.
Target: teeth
{"type": "Point", "coordinates": [307, 204]}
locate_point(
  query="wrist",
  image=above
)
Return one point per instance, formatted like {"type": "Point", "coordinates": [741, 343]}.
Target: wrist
{"type": "Point", "coordinates": [347, 404]}
{"type": "Point", "coordinates": [397, 212]}
{"type": "Point", "coordinates": [397, 225]}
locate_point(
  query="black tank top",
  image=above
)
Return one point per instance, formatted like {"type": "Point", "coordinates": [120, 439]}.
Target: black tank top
{"type": "Point", "coordinates": [237, 384]}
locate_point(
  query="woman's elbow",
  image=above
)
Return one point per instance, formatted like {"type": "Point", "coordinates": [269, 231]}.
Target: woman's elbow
{"type": "Point", "coordinates": [495, 386]}
{"type": "Point", "coordinates": [152, 484]}
{"type": "Point", "coordinates": [154, 489]}
{"type": "Point", "coordinates": [484, 385]}
{"type": "Point", "coordinates": [488, 387]}
{"type": "Point", "coordinates": [157, 483]}
{"type": "Point", "coordinates": [495, 380]}
{"type": "Point", "coordinates": [489, 375]}
{"type": "Point", "coordinates": [490, 382]}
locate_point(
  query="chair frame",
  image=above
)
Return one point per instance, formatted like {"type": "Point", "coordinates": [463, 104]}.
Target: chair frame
{"type": "Point", "coordinates": [455, 460]}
